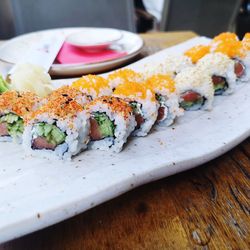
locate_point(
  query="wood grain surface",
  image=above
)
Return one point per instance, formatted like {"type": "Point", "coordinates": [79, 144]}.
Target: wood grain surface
{"type": "Point", "coordinates": [204, 208]}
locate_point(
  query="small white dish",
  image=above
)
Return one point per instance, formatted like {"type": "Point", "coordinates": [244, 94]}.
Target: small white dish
{"type": "Point", "coordinates": [94, 39]}
{"type": "Point", "coordinates": [13, 51]}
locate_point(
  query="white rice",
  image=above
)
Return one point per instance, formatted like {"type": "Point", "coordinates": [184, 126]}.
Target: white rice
{"type": "Point", "coordinates": [219, 64]}
{"type": "Point", "coordinates": [172, 65]}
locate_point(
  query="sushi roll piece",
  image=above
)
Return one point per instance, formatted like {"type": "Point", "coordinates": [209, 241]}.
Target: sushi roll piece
{"type": "Point", "coordinates": [93, 86]}
{"type": "Point", "coordinates": [70, 92]}
{"type": "Point", "coordinates": [197, 52]}
{"type": "Point", "coordinates": [144, 105]}
{"type": "Point", "coordinates": [111, 122]}
{"type": "Point", "coordinates": [221, 69]}
{"type": "Point", "coordinates": [195, 89]}
{"type": "Point", "coordinates": [14, 107]}
{"type": "Point", "coordinates": [172, 65]}
{"type": "Point", "coordinates": [165, 93]}
{"type": "Point", "coordinates": [229, 44]}
{"type": "Point", "coordinates": [59, 129]}
{"type": "Point", "coordinates": [123, 75]}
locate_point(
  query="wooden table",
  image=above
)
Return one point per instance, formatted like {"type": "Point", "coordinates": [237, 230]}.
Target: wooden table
{"type": "Point", "coordinates": [204, 208]}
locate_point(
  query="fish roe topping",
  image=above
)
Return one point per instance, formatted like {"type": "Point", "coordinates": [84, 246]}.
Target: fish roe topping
{"type": "Point", "coordinates": [161, 82]}
{"type": "Point", "coordinates": [116, 104]}
{"type": "Point", "coordinates": [246, 41]}
{"type": "Point", "coordinates": [126, 75]}
{"type": "Point", "coordinates": [92, 85]}
{"type": "Point", "coordinates": [134, 90]}
{"type": "Point", "coordinates": [69, 92]}
{"type": "Point", "coordinates": [231, 48]}
{"type": "Point", "coordinates": [197, 52]}
{"type": "Point", "coordinates": [226, 36]}
{"type": "Point", "coordinates": [58, 108]}
{"type": "Point", "coordinates": [20, 103]}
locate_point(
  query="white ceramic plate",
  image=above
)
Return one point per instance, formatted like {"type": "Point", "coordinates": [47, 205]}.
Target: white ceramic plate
{"type": "Point", "coordinates": [13, 50]}
{"type": "Point", "coordinates": [36, 193]}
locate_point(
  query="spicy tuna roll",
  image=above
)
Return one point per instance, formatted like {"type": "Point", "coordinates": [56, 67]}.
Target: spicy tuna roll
{"type": "Point", "coordinates": [93, 86]}
{"type": "Point", "coordinates": [165, 93]}
{"type": "Point", "coordinates": [144, 105]}
{"type": "Point", "coordinates": [59, 129]}
{"type": "Point", "coordinates": [14, 107]}
{"type": "Point", "coordinates": [221, 69]}
{"type": "Point", "coordinates": [195, 89]}
{"type": "Point", "coordinates": [111, 122]}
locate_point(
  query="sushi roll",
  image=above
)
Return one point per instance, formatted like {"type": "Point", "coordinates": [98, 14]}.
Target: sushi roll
{"type": "Point", "coordinates": [70, 92]}
{"type": "Point", "coordinates": [59, 129]}
{"type": "Point", "coordinates": [229, 44]}
{"type": "Point", "coordinates": [165, 93]}
{"type": "Point", "coordinates": [221, 69]}
{"type": "Point", "coordinates": [123, 75]}
{"type": "Point", "coordinates": [197, 52]}
{"type": "Point", "coordinates": [14, 107]}
{"type": "Point", "coordinates": [144, 105]}
{"type": "Point", "coordinates": [93, 86]}
{"type": "Point", "coordinates": [172, 65]}
{"type": "Point", "coordinates": [195, 89]}
{"type": "Point", "coordinates": [111, 122]}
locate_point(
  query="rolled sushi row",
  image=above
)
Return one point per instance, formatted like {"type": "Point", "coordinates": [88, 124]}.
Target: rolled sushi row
{"type": "Point", "coordinates": [101, 113]}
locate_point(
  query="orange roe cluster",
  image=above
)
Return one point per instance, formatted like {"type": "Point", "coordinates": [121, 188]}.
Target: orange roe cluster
{"type": "Point", "coordinates": [127, 75]}
{"type": "Point", "coordinates": [197, 52]}
{"type": "Point", "coordinates": [161, 82]}
{"type": "Point", "coordinates": [228, 44]}
{"type": "Point", "coordinates": [20, 103]}
{"type": "Point", "coordinates": [59, 107]}
{"type": "Point", "coordinates": [91, 82]}
{"type": "Point", "coordinates": [246, 41]}
{"type": "Point", "coordinates": [116, 104]}
{"type": "Point", "coordinates": [134, 90]}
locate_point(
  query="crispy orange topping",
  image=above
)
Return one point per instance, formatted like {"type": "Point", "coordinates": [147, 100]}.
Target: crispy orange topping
{"type": "Point", "coordinates": [69, 92]}
{"type": "Point", "coordinates": [197, 52]}
{"type": "Point", "coordinates": [91, 82]}
{"type": "Point", "coordinates": [133, 90]}
{"type": "Point", "coordinates": [116, 104]}
{"type": "Point", "coordinates": [161, 82]}
{"type": "Point", "coordinates": [246, 41]}
{"type": "Point", "coordinates": [60, 107]}
{"type": "Point", "coordinates": [20, 103]}
{"type": "Point", "coordinates": [127, 75]}
{"type": "Point", "coordinates": [226, 36]}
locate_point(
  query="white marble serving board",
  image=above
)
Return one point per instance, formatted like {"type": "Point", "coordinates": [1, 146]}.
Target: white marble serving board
{"type": "Point", "coordinates": [36, 193]}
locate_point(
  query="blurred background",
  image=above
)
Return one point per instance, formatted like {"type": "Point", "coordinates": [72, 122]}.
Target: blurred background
{"type": "Point", "coordinates": [205, 17]}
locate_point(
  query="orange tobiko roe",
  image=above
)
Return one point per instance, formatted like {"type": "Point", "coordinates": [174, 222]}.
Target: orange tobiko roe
{"type": "Point", "coordinates": [160, 81]}
{"type": "Point", "coordinates": [230, 48]}
{"type": "Point", "coordinates": [246, 41]}
{"type": "Point", "coordinates": [126, 74]}
{"type": "Point", "coordinates": [226, 36]}
{"type": "Point", "coordinates": [91, 82]}
{"type": "Point", "coordinates": [197, 52]}
{"type": "Point", "coordinates": [133, 90]}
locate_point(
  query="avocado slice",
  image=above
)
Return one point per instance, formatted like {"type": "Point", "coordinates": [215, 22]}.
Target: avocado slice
{"type": "Point", "coordinates": [106, 126]}
{"type": "Point", "coordinates": [14, 123]}
{"type": "Point", "coordinates": [50, 132]}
